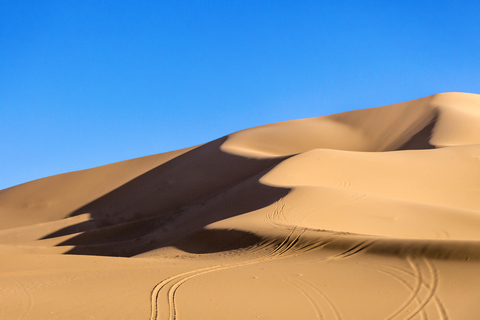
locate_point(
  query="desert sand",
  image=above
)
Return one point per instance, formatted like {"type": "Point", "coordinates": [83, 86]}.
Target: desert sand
{"type": "Point", "coordinates": [367, 214]}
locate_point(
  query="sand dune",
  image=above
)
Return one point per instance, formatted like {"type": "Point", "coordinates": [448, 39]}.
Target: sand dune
{"type": "Point", "coordinates": [367, 214]}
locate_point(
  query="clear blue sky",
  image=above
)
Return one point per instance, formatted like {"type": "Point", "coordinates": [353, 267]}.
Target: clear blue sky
{"type": "Point", "coordinates": [86, 83]}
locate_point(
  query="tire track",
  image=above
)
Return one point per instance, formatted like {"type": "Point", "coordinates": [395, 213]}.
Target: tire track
{"type": "Point", "coordinates": [276, 215]}
{"type": "Point", "coordinates": [29, 298]}
{"type": "Point", "coordinates": [286, 249]}
{"type": "Point", "coordinates": [353, 250]}
{"type": "Point", "coordinates": [434, 274]}
{"type": "Point", "coordinates": [414, 295]}
{"type": "Point", "coordinates": [401, 280]}
{"type": "Point", "coordinates": [353, 198]}
{"type": "Point", "coordinates": [330, 304]}
{"type": "Point", "coordinates": [421, 282]}
{"type": "Point", "coordinates": [291, 243]}
{"type": "Point", "coordinates": [443, 315]}
{"type": "Point", "coordinates": [345, 184]}
{"type": "Point", "coordinates": [289, 247]}
{"type": "Point", "coordinates": [286, 240]}
{"type": "Point", "coordinates": [318, 311]}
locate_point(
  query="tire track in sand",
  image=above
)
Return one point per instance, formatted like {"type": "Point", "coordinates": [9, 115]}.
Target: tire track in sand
{"type": "Point", "coordinates": [404, 311]}
{"type": "Point", "coordinates": [168, 288]}
{"type": "Point", "coordinates": [432, 288]}
{"type": "Point", "coordinates": [329, 310]}
{"type": "Point", "coordinates": [399, 279]}
{"type": "Point", "coordinates": [276, 215]}
{"type": "Point", "coordinates": [353, 250]}
{"type": "Point", "coordinates": [311, 300]}
{"type": "Point", "coordinates": [29, 298]}
{"type": "Point", "coordinates": [443, 315]}
{"type": "Point", "coordinates": [289, 247]}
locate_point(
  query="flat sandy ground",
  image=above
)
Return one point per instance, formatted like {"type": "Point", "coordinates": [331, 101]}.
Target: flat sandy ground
{"type": "Point", "coordinates": [368, 214]}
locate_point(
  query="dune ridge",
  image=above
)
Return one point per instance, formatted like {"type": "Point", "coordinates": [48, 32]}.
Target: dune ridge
{"type": "Point", "coordinates": [296, 219]}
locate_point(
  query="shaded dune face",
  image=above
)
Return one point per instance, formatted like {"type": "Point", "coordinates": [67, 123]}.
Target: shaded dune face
{"type": "Point", "coordinates": [54, 197]}
{"type": "Point", "coordinates": [421, 139]}
{"type": "Point", "coordinates": [172, 200]}
{"type": "Point", "coordinates": [402, 171]}
{"type": "Point", "coordinates": [191, 178]}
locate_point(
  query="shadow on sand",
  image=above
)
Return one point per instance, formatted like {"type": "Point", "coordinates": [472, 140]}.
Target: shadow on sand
{"type": "Point", "coordinates": [172, 201]}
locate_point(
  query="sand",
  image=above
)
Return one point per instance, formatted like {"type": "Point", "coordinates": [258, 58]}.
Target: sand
{"type": "Point", "coordinates": [368, 214]}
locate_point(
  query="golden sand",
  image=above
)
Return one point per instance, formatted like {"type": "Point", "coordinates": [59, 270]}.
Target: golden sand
{"type": "Point", "coordinates": [368, 214]}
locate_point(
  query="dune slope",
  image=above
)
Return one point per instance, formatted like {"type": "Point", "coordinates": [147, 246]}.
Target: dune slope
{"type": "Point", "coordinates": [367, 214]}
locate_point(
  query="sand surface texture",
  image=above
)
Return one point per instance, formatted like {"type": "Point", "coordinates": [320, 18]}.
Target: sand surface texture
{"type": "Point", "coordinates": [368, 214]}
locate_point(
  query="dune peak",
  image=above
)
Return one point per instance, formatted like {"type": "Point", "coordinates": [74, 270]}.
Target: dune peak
{"type": "Point", "coordinates": [382, 201]}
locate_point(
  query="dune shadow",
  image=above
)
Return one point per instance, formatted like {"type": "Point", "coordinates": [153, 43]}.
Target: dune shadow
{"type": "Point", "coordinates": [421, 140]}
{"type": "Point", "coordinates": [348, 245]}
{"type": "Point", "coordinates": [171, 201]}
{"type": "Point", "coordinates": [217, 240]}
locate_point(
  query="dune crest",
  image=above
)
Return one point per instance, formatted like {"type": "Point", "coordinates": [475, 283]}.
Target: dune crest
{"type": "Point", "coordinates": [371, 214]}
{"type": "Point", "coordinates": [387, 128]}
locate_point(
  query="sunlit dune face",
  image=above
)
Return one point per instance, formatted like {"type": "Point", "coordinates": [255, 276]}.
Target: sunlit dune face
{"type": "Point", "coordinates": [369, 214]}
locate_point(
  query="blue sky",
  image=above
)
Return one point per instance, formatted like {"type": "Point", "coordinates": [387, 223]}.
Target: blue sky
{"type": "Point", "coordinates": [86, 83]}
